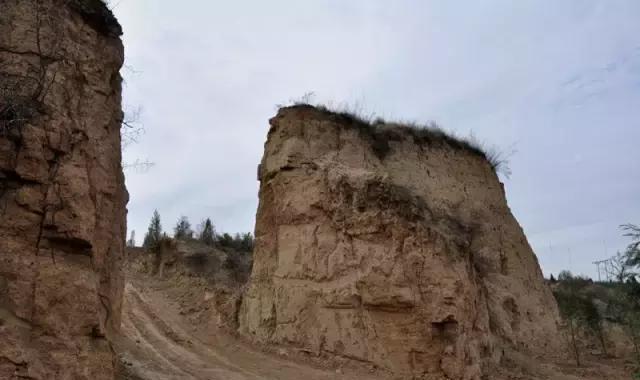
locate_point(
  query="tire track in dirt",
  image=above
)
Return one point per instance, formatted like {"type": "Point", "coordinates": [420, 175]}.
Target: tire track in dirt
{"type": "Point", "coordinates": [159, 344]}
{"type": "Point", "coordinates": [173, 346]}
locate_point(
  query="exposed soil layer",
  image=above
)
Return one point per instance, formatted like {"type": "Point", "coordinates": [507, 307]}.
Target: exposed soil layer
{"type": "Point", "coordinates": [171, 330]}
{"type": "Point", "coordinates": [175, 326]}
{"type": "Point", "coordinates": [62, 193]}
{"type": "Point", "coordinates": [411, 261]}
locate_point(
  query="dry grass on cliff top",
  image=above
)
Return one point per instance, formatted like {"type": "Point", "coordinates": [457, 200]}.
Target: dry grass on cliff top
{"type": "Point", "coordinates": [98, 15]}
{"type": "Point", "coordinates": [380, 132]}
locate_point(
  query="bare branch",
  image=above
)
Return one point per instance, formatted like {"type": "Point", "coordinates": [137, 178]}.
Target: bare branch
{"type": "Point", "coordinates": [131, 128]}
{"type": "Point", "coordinates": [139, 166]}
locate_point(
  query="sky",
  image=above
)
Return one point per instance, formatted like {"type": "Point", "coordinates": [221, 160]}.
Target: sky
{"type": "Point", "coordinates": [557, 84]}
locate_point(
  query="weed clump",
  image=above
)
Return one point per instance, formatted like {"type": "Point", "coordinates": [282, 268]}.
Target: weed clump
{"type": "Point", "coordinates": [380, 132]}
{"type": "Point", "coordinates": [97, 14]}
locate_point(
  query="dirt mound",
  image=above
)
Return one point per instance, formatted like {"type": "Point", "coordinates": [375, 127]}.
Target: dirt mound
{"type": "Point", "coordinates": [411, 261]}
{"type": "Point", "coordinates": [178, 326]}
{"type": "Point", "coordinates": [206, 281]}
{"type": "Point", "coordinates": [62, 193]}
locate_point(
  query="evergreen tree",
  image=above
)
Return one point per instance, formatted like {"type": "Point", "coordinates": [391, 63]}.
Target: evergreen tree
{"type": "Point", "coordinates": [565, 275]}
{"type": "Point", "coordinates": [132, 239]}
{"type": "Point", "coordinates": [208, 233]}
{"type": "Point", "coordinates": [237, 242]}
{"type": "Point", "coordinates": [154, 233]}
{"type": "Point", "coordinates": [246, 243]}
{"type": "Point", "coordinates": [225, 240]}
{"type": "Point", "coordinates": [182, 230]}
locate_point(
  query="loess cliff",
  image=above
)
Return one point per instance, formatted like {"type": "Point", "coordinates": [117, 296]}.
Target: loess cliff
{"type": "Point", "coordinates": [391, 246]}
{"type": "Point", "coordinates": [62, 193]}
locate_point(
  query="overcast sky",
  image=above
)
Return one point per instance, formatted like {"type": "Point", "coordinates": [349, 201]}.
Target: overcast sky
{"type": "Point", "coordinates": [558, 81]}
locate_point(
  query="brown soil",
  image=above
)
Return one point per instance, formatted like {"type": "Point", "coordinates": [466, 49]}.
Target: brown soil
{"type": "Point", "coordinates": [162, 340]}
{"type": "Point", "coordinates": [171, 330]}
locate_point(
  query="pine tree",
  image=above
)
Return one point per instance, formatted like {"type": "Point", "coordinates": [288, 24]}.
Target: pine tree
{"type": "Point", "coordinates": [247, 242]}
{"type": "Point", "coordinates": [225, 240]}
{"type": "Point", "coordinates": [132, 239]}
{"type": "Point", "coordinates": [182, 230]}
{"type": "Point", "coordinates": [208, 233]}
{"type": "Point", "coordinates": [154, 233]}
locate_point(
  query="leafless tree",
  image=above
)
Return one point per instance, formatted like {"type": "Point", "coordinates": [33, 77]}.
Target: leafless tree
{"type": "Point", "coordinates": [620, 267]}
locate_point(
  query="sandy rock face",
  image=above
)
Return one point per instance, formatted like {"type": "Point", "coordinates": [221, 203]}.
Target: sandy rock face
{"type": "Point", "coordinates": [405, 256]}
{"type": "Point", "coordinates": [62, 194]}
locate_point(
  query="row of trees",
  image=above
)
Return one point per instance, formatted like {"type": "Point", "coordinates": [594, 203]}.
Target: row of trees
{"type": "Point", "coordinates": [586, 307]}
{"type": "Point", "coordinates": [205, 232]}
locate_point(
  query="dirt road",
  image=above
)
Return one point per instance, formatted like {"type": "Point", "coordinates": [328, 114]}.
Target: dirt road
{"type": "Point", "coordinates": [160, 344]}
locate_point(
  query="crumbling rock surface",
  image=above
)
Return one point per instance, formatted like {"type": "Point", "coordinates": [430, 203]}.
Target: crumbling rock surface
{"type": "Point", "coordinates": [62, 194]}
{"type": "Point", "coordinates": [410, 260]}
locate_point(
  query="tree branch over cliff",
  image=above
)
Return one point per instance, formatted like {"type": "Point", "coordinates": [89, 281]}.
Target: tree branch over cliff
{"type": "Point", "coordinates": [131, 130]}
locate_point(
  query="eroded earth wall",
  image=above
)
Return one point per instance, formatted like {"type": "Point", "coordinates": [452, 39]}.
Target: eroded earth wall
{"type": "Point", "coordinates": [386, 250]}
{"type": "Point", "coordinates": [62, 194]}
